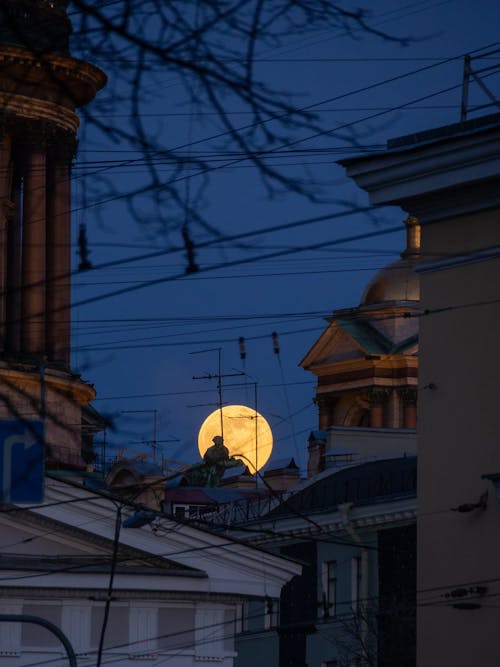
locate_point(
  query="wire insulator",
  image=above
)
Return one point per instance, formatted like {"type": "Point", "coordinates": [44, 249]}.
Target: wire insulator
{"type": "Point", "coordinates": [276, 345]}
{"type": "Point", "coordinates": [83, 250]}
{"type": "Point", "coordinates": [243, 352]}
{"type": "Point", "coordinates": [192, 266]}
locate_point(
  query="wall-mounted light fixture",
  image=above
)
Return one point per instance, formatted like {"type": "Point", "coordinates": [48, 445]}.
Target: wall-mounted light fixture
{"type": "Point", "coordinates": [470, 507]}
{"type": "Point", "coordinates": [466, 599]}
{"type": "Point", "coordinates": [494, 478]}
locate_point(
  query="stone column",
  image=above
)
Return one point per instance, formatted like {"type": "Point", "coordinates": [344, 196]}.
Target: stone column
{"type": "Point", "coordinates": [33, 255]}
{"type": "Point", "coordinates": [58, 260]}
{"type": "Point", "coordinates": [14, 291]}
{"type": "Point", "coordinates": [377, 397]}
{"type": "Point", "coordinates": [5, 185]}
{"type": "Point", "coordinates": [325, 410]}
{"type": "Point", "coordinates": [409, 399]}
{"type": "Point", "coordinates": [393, 409]}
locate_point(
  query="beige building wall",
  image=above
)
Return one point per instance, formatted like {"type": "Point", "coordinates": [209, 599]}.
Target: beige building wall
{"type": "Point", "coordinates": [370, 442]}
{"type": "Point", "coordinates": [450, 179]}
{"type": "Point", "coordinates": [458, 442]}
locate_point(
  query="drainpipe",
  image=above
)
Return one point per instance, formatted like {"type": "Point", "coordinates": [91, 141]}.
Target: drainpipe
{"type": "Point", "coordinates": [344, 510]}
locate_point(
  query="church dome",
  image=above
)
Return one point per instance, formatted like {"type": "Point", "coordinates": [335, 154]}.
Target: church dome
{"type": "Point", "coordinates": [398, 281]}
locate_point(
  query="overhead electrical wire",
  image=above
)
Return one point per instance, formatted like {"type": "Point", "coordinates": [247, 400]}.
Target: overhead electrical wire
{"type": "Point", "coordinates": [314, 106]}
{"type": "Point", "coordinates": [193, 391]}
{"type": "Point", "coordinates": [206, 170]}
{"type": "Point", "coordinates": [182, 114]}
{"type": "Point", "coordinates": [247, 260]}
{"type": "Point", "coordinates": [246, 276]}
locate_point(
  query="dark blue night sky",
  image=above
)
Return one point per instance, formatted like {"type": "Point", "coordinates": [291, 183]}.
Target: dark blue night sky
{"type": "Point", "coordinates": [138, 348]}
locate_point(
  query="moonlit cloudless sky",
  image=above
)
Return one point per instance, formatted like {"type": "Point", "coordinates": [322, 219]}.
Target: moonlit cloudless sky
{"type": "Point", "coordinates": [142, 349]}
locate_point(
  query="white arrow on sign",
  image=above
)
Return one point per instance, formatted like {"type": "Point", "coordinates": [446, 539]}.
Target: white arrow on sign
{"type": "Point", "coordinates": [28, 440]}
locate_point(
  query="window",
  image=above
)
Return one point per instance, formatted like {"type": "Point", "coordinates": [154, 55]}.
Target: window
{"type": "Point", "coordinates": [117, 625]}
{"type": "Point", "coordinates": [230, 627]}
{"type": "Point", "coordinates": [36, 635]}
{"type": "Point", "coordinates": [176, 628]}
{"type": "Point", "coordinates": [271, 613]}
{"type": "Point", "coordinates": [355, 582]}
{"type": "Point", "coordinates": [329, 583]}
{"type": "Point", "coordinates": [180, 511]}
{"type": "Point", "coordinates": [241, 617]}
{"type": "Point", "coordinates": [183, 511]}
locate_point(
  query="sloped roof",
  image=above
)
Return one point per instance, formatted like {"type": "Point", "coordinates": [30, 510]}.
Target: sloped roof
{"type": "Point", "coordinates": [405, 344]}
{"type": "Point", "coordinates": [84, 522]}
{"type": "Point", "coordinates": [207, 495]}
{"type": "Point", "coordinates": [130, 559]}
{"type": "Point", "coordinates": [362, 484]}
{"type": "Point", "coordinates": [363, 336]}
{"type": "Point", "coordinates": [371, 340]}
{"type": "Point", "coordinates": [282, 464]}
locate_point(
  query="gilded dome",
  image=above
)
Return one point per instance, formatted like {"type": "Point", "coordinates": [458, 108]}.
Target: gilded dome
{"type": "Point", "coordinates": [398, 281]}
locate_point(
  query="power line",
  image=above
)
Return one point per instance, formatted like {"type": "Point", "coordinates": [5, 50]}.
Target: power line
{"type": "Point", "coordinates": [180, 114]}
{"type": "Point", "coordinates": [178, 276]}
{"type": "Point", "coordinates": [309, 108]}
{"type": "Point", "coordinates": [197, 391]}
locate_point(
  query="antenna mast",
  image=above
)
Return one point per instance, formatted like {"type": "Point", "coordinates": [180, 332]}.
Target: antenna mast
{"type": "Point", "coordinates": [218, 377]}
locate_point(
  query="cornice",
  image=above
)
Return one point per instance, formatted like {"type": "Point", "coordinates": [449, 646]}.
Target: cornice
{"type": "Point", "coordinates": [81, 80]}
{"type": "Point", "coordinates": [390, 370]}
{"type": "Point", "coordinates": [288, 529]}
{"type": "Point", "coordinates": [68, 385]}
{"type": "Point", "coordinates": [460, 260]}
{"type": "Point", "coordinates": [18, 108]}
{"type": "Point", "coordinates": [414, 174]}
{"type": "Point", "coordinates": [373, 310]}
{"type": "Point", "coordinates": [223, 555]}
{"type": "Point", "coordinates": [373, 361]}
{"type": "Point", "coordinates": [95, 595]}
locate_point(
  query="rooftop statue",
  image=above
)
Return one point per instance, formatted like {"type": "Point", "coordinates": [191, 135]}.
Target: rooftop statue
{"type": "Point", "coordinates": [215, 462]}
{"type": "Point", "coordinates": [218, 453]}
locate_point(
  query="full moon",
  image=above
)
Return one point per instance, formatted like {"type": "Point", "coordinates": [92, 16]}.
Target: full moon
{"type": "Point", "coordinates": [251, 444]}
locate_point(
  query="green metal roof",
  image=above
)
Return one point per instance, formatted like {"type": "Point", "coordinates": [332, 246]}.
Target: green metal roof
{"type": "Point", "coordinates": [371, 340]}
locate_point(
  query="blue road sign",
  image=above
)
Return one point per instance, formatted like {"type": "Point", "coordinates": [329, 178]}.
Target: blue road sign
{"type": "Point", "coordinates": [21, 461]}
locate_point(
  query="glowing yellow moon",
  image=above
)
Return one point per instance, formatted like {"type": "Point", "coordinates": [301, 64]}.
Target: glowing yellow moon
{"type": "Point", "coordinates": [240, 435]}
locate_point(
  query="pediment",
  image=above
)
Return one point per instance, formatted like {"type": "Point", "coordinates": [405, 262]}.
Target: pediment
{"type": "Point", "coordinates": [68, 541]}
{"type": "Point", "coordinates": [31, 542]}
{"type": "Point", "coordinates": [336, 344]}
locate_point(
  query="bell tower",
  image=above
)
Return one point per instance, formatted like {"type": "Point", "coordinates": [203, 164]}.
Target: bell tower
{"type": "Point", "coordinates": [41, 86]}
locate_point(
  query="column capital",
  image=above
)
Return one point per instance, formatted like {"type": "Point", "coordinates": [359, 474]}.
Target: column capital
{"type": "Point", "coordinates": [408, 395]}
{"type": "Point", "coordinates": [377, 395]}
{"type": "Point", "coordinates": [322, 400]}
{"type": "Point", "coordinates": [43, 135]}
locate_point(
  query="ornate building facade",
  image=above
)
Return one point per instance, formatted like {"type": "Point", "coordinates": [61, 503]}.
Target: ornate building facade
{"type": "Point", "coordinates": [366, 360]}
{"type": "Point", "coordinates": [41, 86]}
